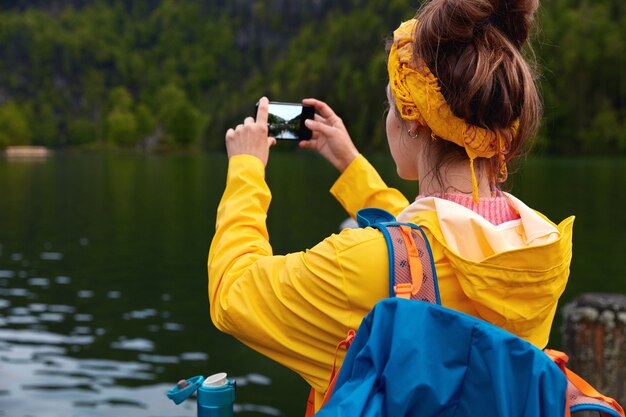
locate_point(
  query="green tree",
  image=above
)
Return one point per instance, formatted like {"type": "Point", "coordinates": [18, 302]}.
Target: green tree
{"type": "Point", "coordinates": [121, 127]}
{"type": "Point", "coordinates": [45, 126]}
{"type": "Point", "coordinates": [121, 124]}
{"type": "Point", "coordinates": [4, 141]}
{"type": "Point", "coordinates": [80, 131]}
{"type": "Point", "coordinates": [146, 123]}
{"type": "Point", "coordinates": [120, 99]}
{"type": "Point", "coordinates": [179, 118]}
{"type": "Point", "coordinates": [14, 125]}
{"type": "Point", "coordinates": [184, 125]}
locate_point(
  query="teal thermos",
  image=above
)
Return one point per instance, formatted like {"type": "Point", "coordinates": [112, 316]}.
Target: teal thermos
{"type": "Point", "coordinates": [216, 394]}
{"type": "Point", "coordinates": [216, 397]}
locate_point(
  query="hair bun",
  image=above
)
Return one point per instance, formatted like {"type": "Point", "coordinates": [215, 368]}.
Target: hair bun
{"type": "Point", "coordinates": [514, 18]}
{"type": "Point", "coordinates": [458, 21]}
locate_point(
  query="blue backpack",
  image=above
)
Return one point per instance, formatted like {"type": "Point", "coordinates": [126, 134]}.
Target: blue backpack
{"type": "Point", "coordinates": [413, 357]}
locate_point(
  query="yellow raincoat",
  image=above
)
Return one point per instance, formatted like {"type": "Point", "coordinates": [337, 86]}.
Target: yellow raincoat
{"type": "Point", "coordinates": [295, 308]}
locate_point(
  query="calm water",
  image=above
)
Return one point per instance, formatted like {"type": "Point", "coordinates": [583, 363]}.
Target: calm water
{"type": "Point", "coordinates": [103, 302]}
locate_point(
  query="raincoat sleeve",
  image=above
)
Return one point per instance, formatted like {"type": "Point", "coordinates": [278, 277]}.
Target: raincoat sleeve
{"type": "Point", "coordinates": [292, 308]}
{"type": "Point", "coordinates": [360, 186]}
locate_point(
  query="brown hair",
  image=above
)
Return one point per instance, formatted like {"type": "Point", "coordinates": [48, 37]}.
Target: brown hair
{"type": "Point", "coordinates": [474, 48]}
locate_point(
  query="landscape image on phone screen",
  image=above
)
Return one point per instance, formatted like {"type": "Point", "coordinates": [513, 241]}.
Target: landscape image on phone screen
{"type": "Point", "coordinates": [284, 121]}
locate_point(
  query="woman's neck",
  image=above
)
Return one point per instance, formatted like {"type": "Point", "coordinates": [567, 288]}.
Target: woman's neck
{"type": "Point", "coordinates": [454, 178]}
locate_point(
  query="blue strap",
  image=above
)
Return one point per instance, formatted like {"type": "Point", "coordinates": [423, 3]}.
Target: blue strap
{"type": "Point", "coordinates": [370, 216]}
{"type": "Point", "coordinates": [604, 411]}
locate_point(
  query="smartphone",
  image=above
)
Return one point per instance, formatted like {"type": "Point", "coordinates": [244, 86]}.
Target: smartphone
{"type": "Point", "coordinates": [286, 120]}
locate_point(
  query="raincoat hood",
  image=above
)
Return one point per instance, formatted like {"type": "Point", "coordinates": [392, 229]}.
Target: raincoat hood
{"type": "Point", "coordinates": [513, 272]}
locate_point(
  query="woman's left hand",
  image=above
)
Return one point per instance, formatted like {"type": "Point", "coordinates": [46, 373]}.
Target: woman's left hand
{"type": "Point", "coordinates": [250, 138]}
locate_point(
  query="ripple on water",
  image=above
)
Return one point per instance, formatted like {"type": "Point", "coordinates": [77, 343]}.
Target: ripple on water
{"type": "Point", "coordinates": [111, 402]}
{"type": "Point", "coordinates": [6, 274]}
{"type": "Point", "coordinates": [255, 379]}
{"type": "Point", "coordinates": [158, 358]}
{"type": "Point", "coordinates": [140, 314]}
{"type": "Point", "coordinates": [62, 280]}
{"type": "Point", "coordinates": [194, 356]}
{"type": "Point", "coordinates": [51, 256]}
{"type": "Point", "coordinates": [37, 307]}
{"type": "Point", "coordinates": [22, 320]}
{"type": "Point", "coordinates": [61, 308]}
{"type": "Point", "coordinates": [139, 344]}
{"type": "Point", "coordinates": [85, 294]}
{"type": "Point", "coordinates": [83, 317]}
{"type": "Point", "coordinates": [52, 317]}
{"type": "Point", "coordinates": [39, 282]}
{"type": "Point", "coordinates": [16, 292]}
{"type": "Point", "coordinates": [39, 337]}
{"type": "Point", "coordinates": [81, 330]}
{"type": "Point", "coordinates": [19, 311]}
{"type": "Point", "coordinates": [173, 327]}
{"type": "Point", "coordinates": [57, 387]}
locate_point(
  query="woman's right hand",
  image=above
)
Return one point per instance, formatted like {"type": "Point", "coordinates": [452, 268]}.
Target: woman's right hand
{"type": "Point", "coordinates": [330, 137]}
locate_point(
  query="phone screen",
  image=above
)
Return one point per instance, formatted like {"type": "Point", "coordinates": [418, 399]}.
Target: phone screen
{"type": "Point", "coordinates": [286, 120]}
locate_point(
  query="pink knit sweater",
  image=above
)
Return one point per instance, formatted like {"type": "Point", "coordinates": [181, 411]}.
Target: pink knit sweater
{"type": "Point", "coordinates": [496, 210]}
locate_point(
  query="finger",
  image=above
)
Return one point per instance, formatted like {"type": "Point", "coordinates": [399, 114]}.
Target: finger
{"type": "Point", "coordinates": [248, 121]}
{"type": "Point", "coordinates": [238, 128]}
{"type": "Point", "coordinates": [323, 108]}
{"type": "Point", "coordinates": [308, 144]}
{"type": "Point", "coordinates": [261, 113]}
{"type": "Point", "coordinates": [230, 134]}
{"type": "Point", "coordinates": [320, 127]}
{"type": "Point", "coordinates": [319, 118]}
{"type": "Point", "coordinates": [271, 141]}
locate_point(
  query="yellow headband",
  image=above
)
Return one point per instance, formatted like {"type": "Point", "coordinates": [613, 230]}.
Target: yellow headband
{"type": "Point", "coordinates": [418, 97]}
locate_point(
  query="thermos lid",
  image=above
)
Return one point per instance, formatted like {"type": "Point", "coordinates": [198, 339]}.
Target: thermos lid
{"type": "Point", "coordinates": [184, 389]}
{"type": "Point", "coordinates": [216, 380]}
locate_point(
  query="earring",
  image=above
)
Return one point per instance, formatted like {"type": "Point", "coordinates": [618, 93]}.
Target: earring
{"type": "Point", "coordinates": [412, 135]}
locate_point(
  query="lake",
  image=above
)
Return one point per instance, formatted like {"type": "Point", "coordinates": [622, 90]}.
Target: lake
{"type": "Point", "coordinates": [103, 283]}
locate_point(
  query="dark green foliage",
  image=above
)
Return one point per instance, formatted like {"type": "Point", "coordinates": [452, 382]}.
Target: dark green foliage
{"type": "Point", "coordinates": [179, 73]}
{"type": "Point", "coordinates": [80, 131]}
{"type": "Point", "coordinates": [121, 123]}
{"type": "Point", "coordinates": [14, 128]}
{"type": "Point", "coordinates": [145, 121]}
{"type": "Point", "coordinates": [121, 127]}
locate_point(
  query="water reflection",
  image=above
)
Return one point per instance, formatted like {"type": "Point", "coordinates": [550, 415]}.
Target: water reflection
{"type": "Point", "coordinates": [43, 341]}
{"type": "Point", "coordinates": [103, 301]}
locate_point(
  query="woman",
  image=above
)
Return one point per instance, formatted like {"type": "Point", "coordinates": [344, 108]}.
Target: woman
{"type": "Point", "coordinates": [462, 102]}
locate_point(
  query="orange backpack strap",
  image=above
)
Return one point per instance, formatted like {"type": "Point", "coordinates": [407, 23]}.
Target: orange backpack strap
{"type": "Point", "coordinates": [581, 396]}
{"type": "Point", "coordinates": [411, 267]}
{"type": "Point", "coordinates": [310, 405]}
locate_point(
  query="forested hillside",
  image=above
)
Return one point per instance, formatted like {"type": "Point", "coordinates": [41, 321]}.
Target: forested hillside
{"type": "Point", "coordinates": [177, 73]}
